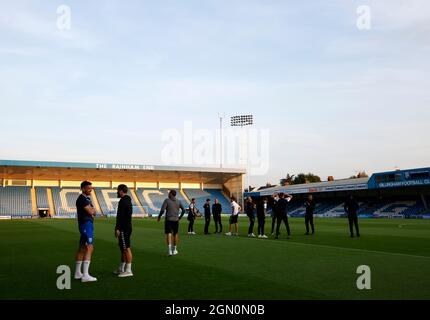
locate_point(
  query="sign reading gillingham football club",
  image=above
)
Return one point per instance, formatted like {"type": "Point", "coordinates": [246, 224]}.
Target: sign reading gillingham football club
{"type": "Point", "coordinates": [404, 183]}
{"type": "Point", "coordinates": [124, 166]}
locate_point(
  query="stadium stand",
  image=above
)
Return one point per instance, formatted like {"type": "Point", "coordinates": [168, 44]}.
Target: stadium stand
{"type": "Point", "coordinates": [42, 198]}
{"type": "Point", "coordinates": [152, 199]}
{"type": "Point", "coordinates": [108, 201]}
{"type": "Point", "coordinates": [202, 195]}
{"type": "Point", "coordinates": [15, 201]}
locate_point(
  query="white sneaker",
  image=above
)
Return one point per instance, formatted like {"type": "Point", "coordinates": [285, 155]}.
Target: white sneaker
{"type": "Point", "coordinates": [78, 276]}
{"type": "Point", "coordinates": [260, 236]}
{"type": "Point", "coordinates": [228, 234]}
{"type": "Point", "coordinates": [175, 252]}
{"type": "Point", "coordinates": [88, 279]}
{"type": "Point", "coordinates": [125, 274]}
{"type": "Point", "coordinates": [236, 234]}
{"type": "Point", "coordinates": [251, 235]}
{"type": "Point", "coordinates": [193, 232]}
{"type": "Point", "coordinates": [264, 236]}
{"type": "Point", "coordinates": [118, 271]}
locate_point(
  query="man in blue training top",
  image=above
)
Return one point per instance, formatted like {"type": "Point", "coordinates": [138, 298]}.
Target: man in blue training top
{"type": "Point", "coordinates": [86, 213]}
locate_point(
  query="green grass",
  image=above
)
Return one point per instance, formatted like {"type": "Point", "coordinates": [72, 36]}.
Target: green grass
{"type": "Point", "coordinates": [218, 267]}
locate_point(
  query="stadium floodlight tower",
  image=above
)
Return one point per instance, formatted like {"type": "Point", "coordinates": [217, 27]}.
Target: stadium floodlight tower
{"type": "Point", "coordinates": [244, 121]}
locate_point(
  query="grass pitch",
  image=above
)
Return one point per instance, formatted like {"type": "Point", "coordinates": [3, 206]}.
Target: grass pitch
{"type": "Point", "coordinates": [322, 266]}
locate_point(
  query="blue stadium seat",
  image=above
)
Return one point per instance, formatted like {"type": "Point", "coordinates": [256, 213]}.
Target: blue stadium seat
{"type": "Point", "coordinates": [42, 198]}
{"type": "Point", "coordinates": [15, 201]}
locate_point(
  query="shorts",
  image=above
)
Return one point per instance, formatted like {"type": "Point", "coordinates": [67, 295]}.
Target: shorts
{"type": "Point", "coordinates": [87, 233]}
{"type": "Point", "coordinates": [124, 239]}
{"type": "Point", "coordinates": [171, 227]}
{"type": "Point", "coordinates": [233, 219]}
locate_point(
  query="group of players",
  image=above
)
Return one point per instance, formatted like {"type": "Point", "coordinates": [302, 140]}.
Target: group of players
{"type": "Point", "coordinates": [86, 213]}
{"type": "Point", "coordinates": [174, 211]}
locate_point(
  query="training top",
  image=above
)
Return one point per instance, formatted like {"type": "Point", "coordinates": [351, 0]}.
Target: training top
{"type": "Point", "coordinates": [124, 213]}
{"type": "Point", "coordinates": [82, 214]}
{"type": "Point", "coordinates": [172, 206]}
{"type": "Point", "coordinates": [235, 208]}
{"type": "Point", "coordinates": [249, 209]}
{"type": "Point", "coordinates": [207, 208]}
{"type": "Point", "coordinates": [310, 206]}
{"type": "Point", "coordinates": [216, 209]}
{"type": "Point", "coordinates": [351, 206]}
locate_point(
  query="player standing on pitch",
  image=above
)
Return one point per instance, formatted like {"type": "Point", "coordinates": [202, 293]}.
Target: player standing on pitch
{"type": "Point", "coordinates": [249, 209]}
{"type": "Point", "coordinates": [171, 207]}
{"type": "Point", "coordinates": [235, 210]}
{"type": "Point", "coordinates": [351, 208]}
{"type": "Point", "coordinates": [275, 198]}
{"type": "Point", "coordinates": [309, 215]}
{"type": "Point", "coordinates": [192, 214]}
{"type": "Point", "coordinates": [86, 214]}
{"type": "Point", "coordinates": [216, 212]}
{"type": "Point", "coordinates": [281, 214]}
{"type": "Point", "coordinates": [261, 217]}
{"type": "Point", "coordinates": [123, 229]}
{"type": "Point", "coordinates": [207, 208]}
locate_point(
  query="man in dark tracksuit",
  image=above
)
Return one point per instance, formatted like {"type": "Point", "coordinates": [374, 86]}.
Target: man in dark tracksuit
{"type": "Point", "coordinates": [249, 209]}
{"type": "Point", "coordinates": [192, 214]}
{"type": "Point", "coordinates": [309, 215]}
{"type": "Point", "coordinates": [281, 214]}
{"type": "Point", "coordinates": [123, 231]}
{"type": "Point", "coordinates": [261, 217]}
{"type": "Point", "coordinates": [351, 208]}
{"type": "Point", "coordinates": [216, 212]}
{"type": "Point", "coordinates": [207, 208]}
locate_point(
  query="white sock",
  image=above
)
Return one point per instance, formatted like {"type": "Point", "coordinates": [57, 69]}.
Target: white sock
{"type": "Point", "coordinates": [122, 266]}
{"type": "Point", "coordinates": [174, 249]}
{"type": "Point", "coordinates": [78, 268]}
{"type": "Point", "coordinates": [86, 268]}
{"type": "Point", "coordinates": [170, 248]}
{"type": "Point", "coordinates": [128, 267]}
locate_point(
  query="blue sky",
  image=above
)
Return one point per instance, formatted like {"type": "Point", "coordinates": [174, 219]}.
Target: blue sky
{"type": "Point", "coordinates": [335, 98]}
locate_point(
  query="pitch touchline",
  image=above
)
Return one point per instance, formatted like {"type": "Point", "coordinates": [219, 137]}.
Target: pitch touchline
{"type": "Point", "coordinates": [355, 249]}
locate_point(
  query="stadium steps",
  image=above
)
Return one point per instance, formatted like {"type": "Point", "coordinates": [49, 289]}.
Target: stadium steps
{"type": "Point", "coordinates": [96, 202]}
{"type": "Point", "coordinates": [51, 202]}
{"type": "Point", "coordinates": [188, 200]}
{"type": "Point", "coordinates": [33, 201]}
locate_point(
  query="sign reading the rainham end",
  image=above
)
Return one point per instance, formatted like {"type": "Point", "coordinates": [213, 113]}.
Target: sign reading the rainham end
{"type": "Point", "coordinates": [123, 166]}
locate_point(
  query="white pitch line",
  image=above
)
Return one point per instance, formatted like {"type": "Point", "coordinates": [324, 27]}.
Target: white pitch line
{"type": "Point", "coordinates": [354, 249]}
